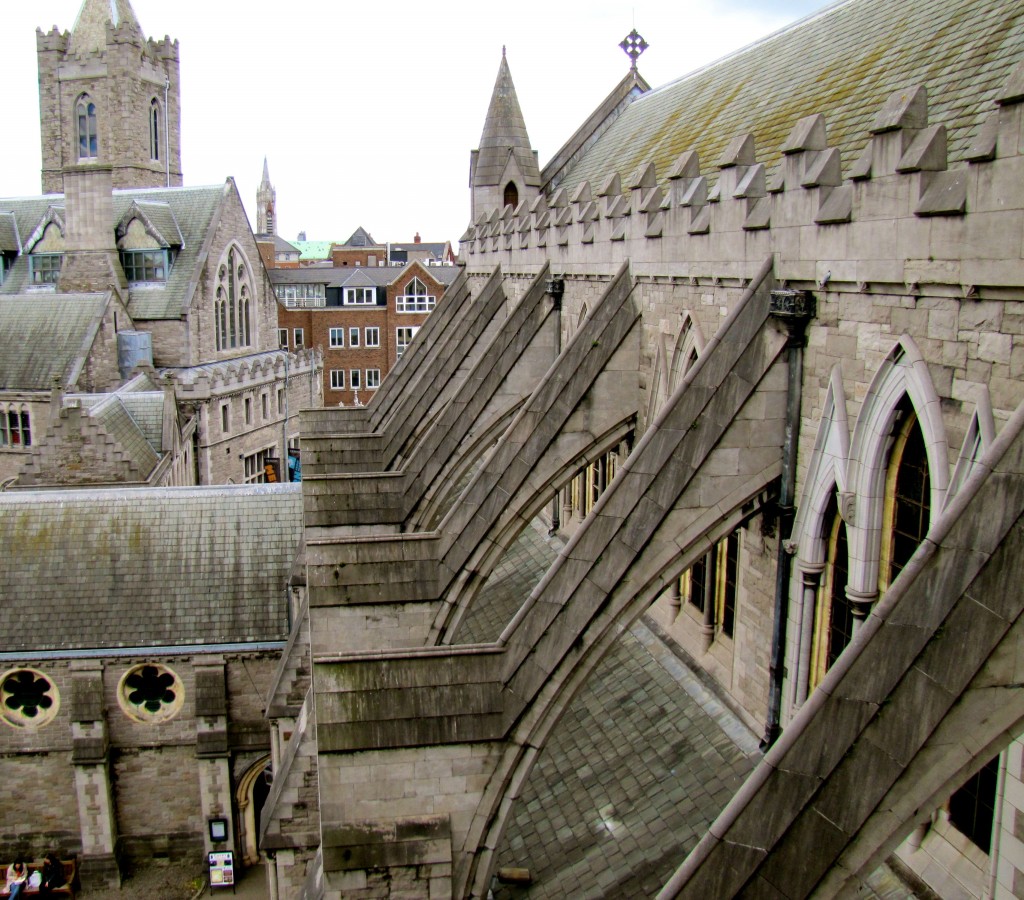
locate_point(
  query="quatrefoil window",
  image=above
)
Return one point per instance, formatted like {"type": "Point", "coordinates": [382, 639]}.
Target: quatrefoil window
{"type": "Point", "coordinates": [150, 693]}
{"type": "Point", "coordinates": [28, 699]}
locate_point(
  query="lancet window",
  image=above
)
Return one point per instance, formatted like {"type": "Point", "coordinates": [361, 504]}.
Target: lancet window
{"type": "Point", "coordinates": [85, 116]}
{"type": "Point", "coordinates": [232, 304]}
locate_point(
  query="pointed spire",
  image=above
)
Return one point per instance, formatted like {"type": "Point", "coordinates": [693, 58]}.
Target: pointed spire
{"type": "Point", "coordinates": [266, 172]}
{"type": "Point", "coordinates": [504, 134]}
{"type": "Point", "coordinates": [90, 31]}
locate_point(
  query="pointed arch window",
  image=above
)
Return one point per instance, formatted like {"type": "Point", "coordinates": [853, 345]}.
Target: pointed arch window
{"type": "Point", "coordinates": [415, 299]}
{"type": "Point", "coordinates": [154, 130]}
{"type": "Point", "coordinates": [232, 305]}
{"type": "Point", "coordinates": [511, 195]}
{"type": "Point", "coordinates": [833, 615]}
{"type": "Point", "coordinates": [85, 116]}
{"type": "Point", "coordinates": [907, 512]}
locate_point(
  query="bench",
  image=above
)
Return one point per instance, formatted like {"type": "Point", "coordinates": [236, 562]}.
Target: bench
{"type": "Point", "coordinates": [66, 890]}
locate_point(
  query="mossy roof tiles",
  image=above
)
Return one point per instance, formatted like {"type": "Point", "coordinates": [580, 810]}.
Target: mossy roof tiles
{"type": "Point", "coordinates": [843, 62]}
{"type": "Point", "coordinates": [147, 567]}
{"type": "Point", "coordinates": [63, 324]}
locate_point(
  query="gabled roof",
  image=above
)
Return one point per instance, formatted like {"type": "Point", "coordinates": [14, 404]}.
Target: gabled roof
{"type": "Point", "coordinates": [360, 238]}
{"type": "Point", "coordinates": [504, 135]}
{"type": "Point", "coordinates": [64, 324]}
{"type": "Point", "coordinates": [158, 220]}
{"type": "Point", "coordinates": [10, 239]}
{"type": "Point", "coordinates": [240, 543]}
{"type": "Point", "coordinates": [843, 62]}
{"type": "Point", "coordinates": [182, 215]}
{"type": "Point", "coordinates": [90, 31]}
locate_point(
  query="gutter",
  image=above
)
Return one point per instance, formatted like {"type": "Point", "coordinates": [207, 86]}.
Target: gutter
{"type": "Point", "coordinates": [793, 310]}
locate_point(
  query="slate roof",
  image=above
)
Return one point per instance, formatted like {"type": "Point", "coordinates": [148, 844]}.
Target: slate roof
{"type": "Point", "coordinates": [9, 238]}
{"type": "Point", "coordinates": [843, 62]}
{"type": "Point", "coordinates": [188, 212]}
{"type": "Point", "coordinates": [147, 566]}
{"type": "Point", "coordinates": [360, 238]}
{"type": "Point", "coordinates": [65, 324]}
{"type": "Point", "coordinates": [161, 220]}
{"type": "Point", "coordinates": [339, 276]}
{"type": "Point", "coordinates": [504, 134]}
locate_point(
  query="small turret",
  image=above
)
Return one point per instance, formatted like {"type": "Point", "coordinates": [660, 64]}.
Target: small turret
{"type": "Point", "coordinates": [504, 170]}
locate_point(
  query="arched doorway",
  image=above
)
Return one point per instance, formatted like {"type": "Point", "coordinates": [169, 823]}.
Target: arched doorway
{"type": "Point", "coordinates": [251, 794]}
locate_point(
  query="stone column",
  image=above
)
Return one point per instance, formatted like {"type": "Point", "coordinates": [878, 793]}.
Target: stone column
{"type": "Point", "coordinates": [810, 579]}
{"type": "Point", "coordinates": [707, 630]}
{"type": "Point", "coordinates": [90, 755]}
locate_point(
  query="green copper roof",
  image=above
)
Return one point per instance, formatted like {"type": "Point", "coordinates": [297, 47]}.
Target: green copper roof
{"type": "Point", "coordinates": [313, 249]}
{"type": "Point", "coordinates": [843, 62]}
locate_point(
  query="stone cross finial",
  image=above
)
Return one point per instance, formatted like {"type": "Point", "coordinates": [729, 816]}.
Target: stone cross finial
{"type": "Point", "coordinates": [633, 45]}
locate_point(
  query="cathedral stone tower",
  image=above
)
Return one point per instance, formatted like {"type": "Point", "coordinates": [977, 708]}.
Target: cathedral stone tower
{"type": "Point", "coordinates": [504, 170]}
{"type": "Point", "coordinates": [109, 97]}
{"type": "Point", "coordinates": [266, 204]}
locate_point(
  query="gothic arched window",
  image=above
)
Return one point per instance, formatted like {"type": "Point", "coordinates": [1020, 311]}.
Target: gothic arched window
{"type": "Point", "coordinates": [232, 302]}
{"type": "Point", "coordinates": [908, 496]}
{"type": "Point", "coordinates": [85, 116]}
{"type": "Point", "coordinates": [833, 615]}
{"type": "Point", "coordinates": [154, 130]}
{"type": "Point", "coordinates": [511, 195]}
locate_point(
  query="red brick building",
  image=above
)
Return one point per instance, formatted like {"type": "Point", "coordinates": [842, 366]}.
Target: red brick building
{"type": "Point", "coordinates": [363, 318]}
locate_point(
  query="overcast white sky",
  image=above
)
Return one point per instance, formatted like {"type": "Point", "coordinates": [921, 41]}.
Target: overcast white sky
{"type": "Point", "coordinates": [367, 111]}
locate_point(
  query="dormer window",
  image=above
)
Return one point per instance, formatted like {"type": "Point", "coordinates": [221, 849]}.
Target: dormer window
{"type": "Point", "coordinates": [145, 266]}
{"type": "Point", "coordinates": [360, 296]}
{"type": "Point", "coordinates": [6, 261]}
{"type": "Point", "coordinates": [85, 114]}
{"type": "Point", "coordinates": [45, 267]}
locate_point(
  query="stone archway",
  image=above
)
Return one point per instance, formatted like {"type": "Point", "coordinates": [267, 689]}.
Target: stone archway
{"type": "Point", "coordinates": [250, 795]}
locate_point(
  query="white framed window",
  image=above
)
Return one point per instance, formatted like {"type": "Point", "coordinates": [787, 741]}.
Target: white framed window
{"type": "Point", "coordinates": [359, 296]}
{"type": "Point", "coordinates": [353, 337]}
{"type": "Point", "coordinates": [372, 379]}
{"type": "Point", "coordinates": [301, 295]}
{"type": "Point", "coordinates": [282, 338]}
{"type": "Point", "coordinates": [298, 337]}
{"type": "Point", "coordinates": [337, 379]}
{"type": "Point", "coordinates": [255, 466]}
{"type": "Point", "coordinates": [415, 299]}
{"type": "Point", "coordinates": [403, 337]}
{"type": "Point", "coordinates": [337, 337]}
{"type": "Point", "coordinates": [355, 379]}
{"type": "Point", "coordinates": [371, 337]}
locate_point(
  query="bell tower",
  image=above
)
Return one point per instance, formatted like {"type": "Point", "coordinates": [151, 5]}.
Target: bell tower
{"type": "Point", "coordinates": [109, 97]}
